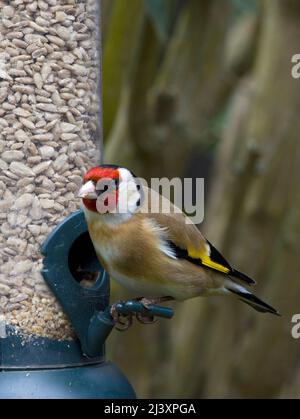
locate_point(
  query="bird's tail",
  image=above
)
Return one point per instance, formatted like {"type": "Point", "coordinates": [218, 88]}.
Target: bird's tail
{"type": "Point", "coordinates": [250, 299]}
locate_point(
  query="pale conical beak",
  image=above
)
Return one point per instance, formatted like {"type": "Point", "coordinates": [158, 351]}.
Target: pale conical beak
{"type": "Point", "coordinates": [88, 190]}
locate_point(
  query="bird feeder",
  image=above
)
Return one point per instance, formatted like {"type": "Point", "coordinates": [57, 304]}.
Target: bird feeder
{"type": "Point", "coordinates": [51, 345]}
{"type": "Point", "coordinates": [37, 367]}
{"type": "Point", "coordinates": [54, 295]}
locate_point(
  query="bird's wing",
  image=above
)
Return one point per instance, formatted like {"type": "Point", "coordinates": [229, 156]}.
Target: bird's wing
{"type": "Point", "coordinates": [185, 241]}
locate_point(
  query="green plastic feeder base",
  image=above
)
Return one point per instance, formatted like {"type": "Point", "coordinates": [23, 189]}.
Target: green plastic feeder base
{"type": "Point", "coordinates": [88, 382]}
{"type": "Point", "coordinates": [40, 368]}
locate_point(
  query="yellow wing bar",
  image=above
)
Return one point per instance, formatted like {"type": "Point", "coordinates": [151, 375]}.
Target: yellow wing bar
{"type": "Point", "coordinates": [207, 261]}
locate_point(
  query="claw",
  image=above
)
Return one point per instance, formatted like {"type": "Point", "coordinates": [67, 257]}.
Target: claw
{"type": "Point", "coordinates": [114, 312]}
{"type": "Point", "coordinates": [146, 303]}
{"type": "Point", "coordinates": [122, 322]}
{"type": "Point", "coordinates": [145, 319]}
{"type": "Point", "coordinates": [122, 327]}
{"type": "Point", "coordinates": [125, 320]}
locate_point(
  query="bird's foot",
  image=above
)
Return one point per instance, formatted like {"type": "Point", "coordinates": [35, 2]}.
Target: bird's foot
{"type": "Point", "coordinates": [147, 302]}
{"type": "Point", "coordinates": [124, 318]}
{"type": "Point", "coordinates": [122, 322]}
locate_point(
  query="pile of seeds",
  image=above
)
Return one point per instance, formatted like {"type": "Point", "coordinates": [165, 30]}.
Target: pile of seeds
{"type": "Point", "coordinates": [49, 65]}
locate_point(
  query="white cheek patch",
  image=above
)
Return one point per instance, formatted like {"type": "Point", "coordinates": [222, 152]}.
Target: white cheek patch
{"type": "Point", "coordinates": [129, 196]}
{"type": "Point", "coordinates": [125, 175]}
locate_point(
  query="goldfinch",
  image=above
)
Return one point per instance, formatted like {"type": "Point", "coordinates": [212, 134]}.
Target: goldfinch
{"type": "Point", "coordinates": [156, 255]}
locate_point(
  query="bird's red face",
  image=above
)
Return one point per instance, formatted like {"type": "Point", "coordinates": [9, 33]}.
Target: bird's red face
{"type": "Point", "coordinates": [100, 192]}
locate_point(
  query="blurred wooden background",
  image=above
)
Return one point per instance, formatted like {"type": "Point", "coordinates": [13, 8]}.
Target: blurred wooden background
{"type": "Point", "coordinates": [203, 88]}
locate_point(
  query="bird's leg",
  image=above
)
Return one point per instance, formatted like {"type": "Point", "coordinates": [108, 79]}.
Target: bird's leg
{"type": "Point", "coordinates": [148, 302]}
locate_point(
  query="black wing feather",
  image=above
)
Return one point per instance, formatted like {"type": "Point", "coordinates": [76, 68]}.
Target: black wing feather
{"type": "Point", "coordinates": [215, 256]}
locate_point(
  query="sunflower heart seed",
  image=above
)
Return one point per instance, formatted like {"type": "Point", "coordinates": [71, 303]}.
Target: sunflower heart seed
{"type": "Point", "coordinates": [12, 155]}
{"type": "Point", "coordinates": [20, 169]}
{"type": "Point", "coordinates": [24, 201]}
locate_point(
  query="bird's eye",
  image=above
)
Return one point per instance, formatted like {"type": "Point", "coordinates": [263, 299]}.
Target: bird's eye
{"type": "Point", "coordinates": [107, 186]}
{"type": "Point", "coordinates": [103, 189]}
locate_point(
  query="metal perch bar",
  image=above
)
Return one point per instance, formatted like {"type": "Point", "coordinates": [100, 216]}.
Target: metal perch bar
{"type": "Point", "coordinates": [133, 307]}
{"type": "Point", "coordinates": [102, 323]}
